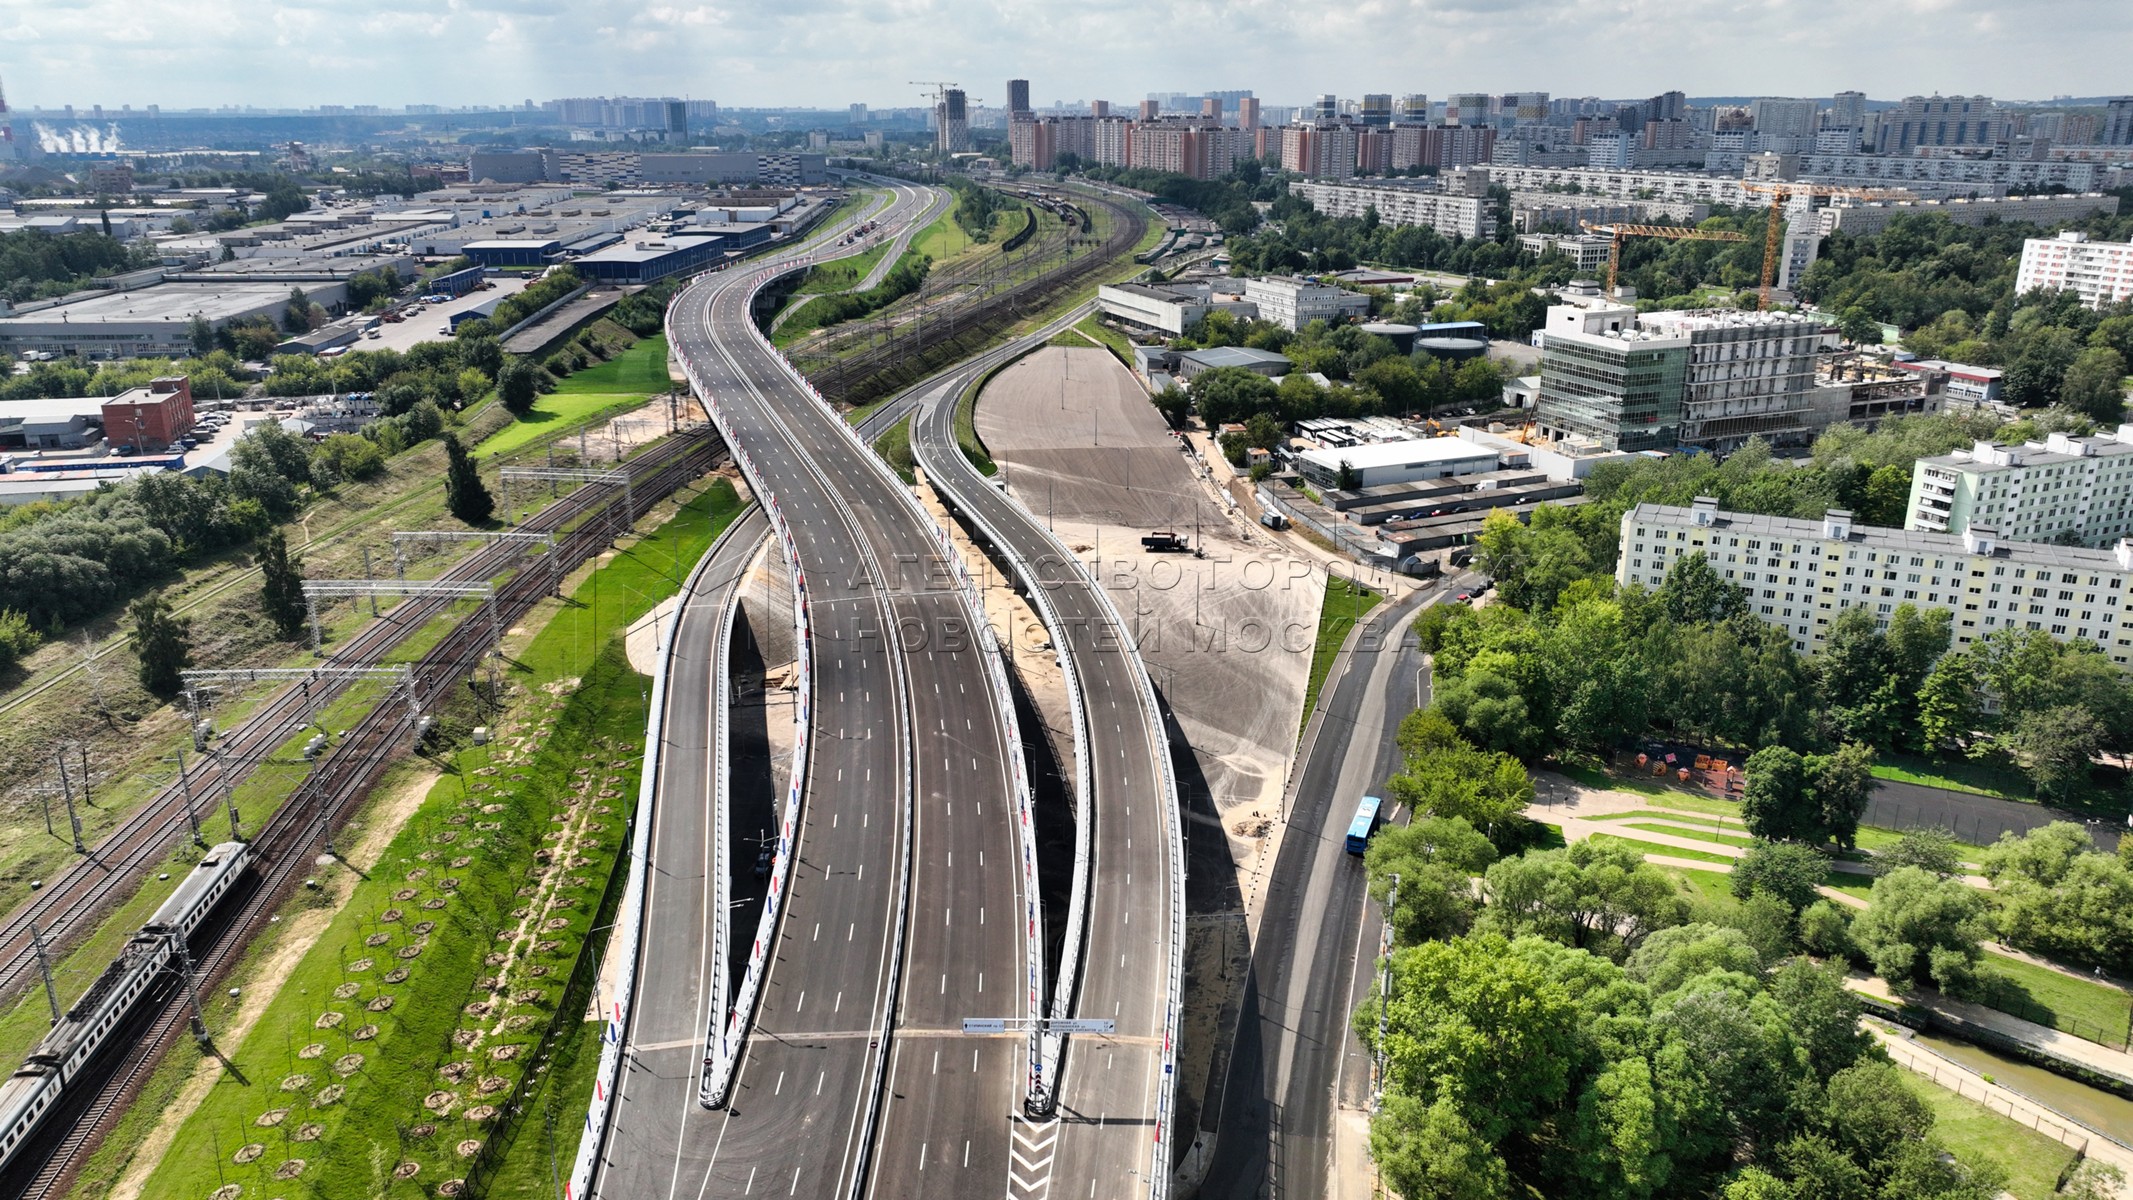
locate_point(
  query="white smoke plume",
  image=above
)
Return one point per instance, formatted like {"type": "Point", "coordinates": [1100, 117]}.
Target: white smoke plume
{"type": "Point", "coordinates": [80, 139]}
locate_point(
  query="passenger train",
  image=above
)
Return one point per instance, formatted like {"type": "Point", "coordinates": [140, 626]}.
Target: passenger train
{"type": "Point", "coordinates": [59, 1059]}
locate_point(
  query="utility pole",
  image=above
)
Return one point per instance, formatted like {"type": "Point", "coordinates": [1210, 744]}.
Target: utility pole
{"type": "Point", "coordinates": [192, 989]}
{"type": "Point", "coordinates": [368, 574]}
{"type": "Point", "coordinates": [185, 789]}
{"type": "Point", "coordinates": [67, 789]}
{"type": "Point", "coordinates": [44, 968]}
{"type": "Point", "coordinates": [1392, 900]}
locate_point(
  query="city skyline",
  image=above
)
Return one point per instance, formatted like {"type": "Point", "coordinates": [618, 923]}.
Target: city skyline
{"type": "Point", "coordinates": [481, 52]}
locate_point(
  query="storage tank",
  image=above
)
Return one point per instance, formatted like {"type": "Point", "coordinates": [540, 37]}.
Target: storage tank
{"type": "Point", "coordinates": [1402, 336]}
{"type": "Point", "coordinates": [1456, 349]}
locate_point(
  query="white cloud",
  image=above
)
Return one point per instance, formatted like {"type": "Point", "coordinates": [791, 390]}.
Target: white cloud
{"type": "Point", "coordinates": [831, 52]}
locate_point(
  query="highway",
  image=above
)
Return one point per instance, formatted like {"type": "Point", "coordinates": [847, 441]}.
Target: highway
{"type": "Point", "coordinates": [907, 727]}
{"type": "Point", "coordinates": [1293, 1063]}
{"type": "Point", "coordinates": [1112, 1091]}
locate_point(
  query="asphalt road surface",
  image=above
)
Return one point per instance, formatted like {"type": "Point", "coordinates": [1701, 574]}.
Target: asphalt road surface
{"type": "Point", "coordinates": [1294, 1057]}
{"type": "Point", "coordinates": [1111, 1086]}
{"type": "Point", "coordinates": [905, 724]}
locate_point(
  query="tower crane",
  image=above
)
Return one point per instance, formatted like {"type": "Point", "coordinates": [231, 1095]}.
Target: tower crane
{"type": "Point", "coordinates": [1677, 233]}
{"type": "Point", "coordinates": [1783, 189]}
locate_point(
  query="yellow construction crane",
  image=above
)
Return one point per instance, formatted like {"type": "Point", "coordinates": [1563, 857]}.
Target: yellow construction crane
{"type": "Point", "coordinates": [1677, 233]}
{"type": "Point", "coordinates": [1783, 189]}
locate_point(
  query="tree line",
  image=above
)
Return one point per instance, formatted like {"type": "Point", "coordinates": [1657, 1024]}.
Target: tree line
{"type": "Point", "coordinates": [1574, 1022]}
{"type": "Point", "coordinates": [36, 265]}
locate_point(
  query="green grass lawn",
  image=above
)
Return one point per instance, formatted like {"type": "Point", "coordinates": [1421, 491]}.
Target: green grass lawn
{"type": "Point", "coordinates": [1645, 785]}
{"type": "Point", "coordinates": [1668, 851]}
{"type": "Point", "coordinates": [966, 425]}
{"type": "Point", "coordinates": [1701, 835]}
{"type": "Point", "coordinates": [894, 447]}
{"type": "Point", "coordinates": [1111, 339]}
{"type": "Point", "coordinates": [1710, 885]}
{"type": "Point", "coordinates": [1872, 838]}
{"type": "Point", "coordinates": [617, 385]}
{"type": "Point", "coordinates": [1861, 886]}
{"type": "Point", "coordinates": [1984, 778]}
{"type": "Point", "coordinates": [1977, 1134]}
{"type": "Point", "coordinates": [1346, 602]}
{"type": "Point", "coordinates": [2096, 1011]}
{"type": "Point", "coordinates": [943, 239]}
{"type": "Point", "coordinates": [470, 863]}
{"type": "Point", "coordinates": [841, 274]}
{"type": "Point", "coordinates": [1669, 814]}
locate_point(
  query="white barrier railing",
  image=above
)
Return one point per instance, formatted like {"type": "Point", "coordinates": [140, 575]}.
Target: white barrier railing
{"type": "Point", "coordinates": [725, 1037]}
{"type": "Point", "coordinates": [629, 927]}
{"type": "Point", "coordinates": [720, 982]}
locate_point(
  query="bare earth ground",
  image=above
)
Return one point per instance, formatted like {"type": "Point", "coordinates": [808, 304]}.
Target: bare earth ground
{"type": "Point", "coordinates": [381, 825]}
{"type": "Point", "coordinates": [1227, 637]}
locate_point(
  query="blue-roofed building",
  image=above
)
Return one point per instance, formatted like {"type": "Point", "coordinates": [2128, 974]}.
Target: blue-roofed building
{"type": "Point", "coordinates": [513, 252]}
{"type": "Point", "coordinates": [652, 259]}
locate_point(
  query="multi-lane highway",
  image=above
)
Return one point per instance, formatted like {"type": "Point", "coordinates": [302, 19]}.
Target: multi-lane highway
{"type": "Point", "coordinates": [906, 906]}
{"type": "Point", "coordinates": [1113, 1090]}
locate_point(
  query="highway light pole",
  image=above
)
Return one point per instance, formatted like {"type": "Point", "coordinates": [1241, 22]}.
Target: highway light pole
{"type": "Point", "coordinates": [1377, 1066]}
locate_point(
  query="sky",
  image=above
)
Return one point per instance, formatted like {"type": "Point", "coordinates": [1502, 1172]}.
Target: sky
{"type": "Point", "coordinates": [829, 53]}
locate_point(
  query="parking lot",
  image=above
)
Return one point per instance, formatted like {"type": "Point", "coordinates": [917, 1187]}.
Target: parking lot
{"type": "Point", "coordinates": [432, 322]}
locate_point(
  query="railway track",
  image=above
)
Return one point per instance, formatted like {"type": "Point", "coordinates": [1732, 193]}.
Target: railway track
{"type": "Point", "coordinates": [67, 907]}
{"type": "Point", "coordinates": [850, 377]}
{"type": "Point", "coordinates": [324, 801]}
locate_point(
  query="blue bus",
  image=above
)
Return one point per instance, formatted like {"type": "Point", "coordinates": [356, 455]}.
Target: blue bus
{"type": "Point", "coordinates": [1365, 824]}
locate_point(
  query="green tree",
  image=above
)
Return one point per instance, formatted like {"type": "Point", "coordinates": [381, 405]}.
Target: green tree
{"type": "Point", "coordinates": [2095, 386]}
{"type": "Point", "coordinates": [1346, 478]}
{"type": "Point", "coordinates": [296, 318]}
{"type": "Point", "coordinates": [518, 386]}
{"type": "Point", "coordinates": [2058, 746]}
{"type": "Point", "coordinates": [1694, 593]}
{"type": "Point", "coordinates": [1949, 704]}
{"type": "Point", "coordinates": [1671, 957]}
{"type": "Point", "coordinates": [348, 456]}
{"type": "Point", "coordinates": [17, 637]}
{"type": "Point", "coordinates": [464, 493]}
{"type": "Point", "coordinates": [200, 336]}
{"type": "Point", "coordinates": [1918, 930]}
{"type": "Point", "coordinates": [1786, 870]}
{"type": "Point", "coordinates": [1927, 849]}
{"type": "Point", "coordinates": [1596, 896]}
{"type": "Point", "coordinates": [1843, 782]}
{"type": "Point", "coordinates": [1434, 860]}
{"type": "Point", "coordinates": [1431, 1150]}
{"type": "Point", "coordinates": [1174, 404]}
{"type": "Point", "coordinates": [1775, 803]}
{"type": "Point", "coordinates": [1825, 928]}
{"type": "Point", "coordinates": [281, 583]}
{"type": "Point", "coordinates": [1859, 328]}
{"type": "Point", "coordinates": [162, 641]}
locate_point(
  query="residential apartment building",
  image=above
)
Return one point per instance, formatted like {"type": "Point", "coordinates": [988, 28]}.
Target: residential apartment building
{"type": "Point", "coordinates": [1463, 213]}
{"type": "Point", "coordinates": [1861, 218]}
{"type": "Point", "coordinates": [1533, 211]}
{"type": "Point", "coordinates": [1319, 150]}
{"type": "Point", "coordinates": [2117, 128]}
{"type": "Point", "coordinates": [2065, 488]}
{"type": "Point", "coordinates": [1990, 175]}
{"type": "Point", "coordinates": [1630, 184]}
{"type": "Point", "coordinates": [1294, 302]}
{"type": "Point", "coordinates": [1199, 147]}
{"type": "Point", "coordinates": [2099, 272]}
{"type": "Point", "coordinates": [1939, 121]}
{"type": "Point", "coordinates": [1444, 147]}
{"type": "Point", "coordinates": [1799, 574]}
{"type": "Point", "coordinates": [1039, 142]}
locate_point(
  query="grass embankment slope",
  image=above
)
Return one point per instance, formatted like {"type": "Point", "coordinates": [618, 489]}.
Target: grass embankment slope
{"type": "Point", "coordinates": [1346, 602]}
{"type": "Point", "coordinates": [621, 383]}
{"type": "Point", "coordinates": [387, 1062]}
